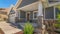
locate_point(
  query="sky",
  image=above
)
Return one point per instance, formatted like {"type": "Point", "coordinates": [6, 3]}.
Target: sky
{"type": "Point", "coordinates": [7, 3]}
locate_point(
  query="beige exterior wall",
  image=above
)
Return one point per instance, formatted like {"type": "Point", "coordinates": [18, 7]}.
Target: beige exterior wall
{"type": "Point", "coordinates": [2, 11]}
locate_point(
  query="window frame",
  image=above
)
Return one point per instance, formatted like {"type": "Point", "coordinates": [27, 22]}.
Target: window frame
{"type": "Point", "coordinates": [33, 14]}
{"type": "Point", "coordinates": [54, 10]}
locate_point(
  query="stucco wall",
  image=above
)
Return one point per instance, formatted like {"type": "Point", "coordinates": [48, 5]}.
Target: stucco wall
{"type": "Point", "coordinates": [12, 16]}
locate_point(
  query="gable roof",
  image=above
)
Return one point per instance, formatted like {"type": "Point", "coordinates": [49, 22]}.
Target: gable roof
{"type": "Point", "coordinates": [47, 3]}
{"type": "Point", "coordinates": [26, 2]}
{"type": "Point", "coordinates": [21, 3]}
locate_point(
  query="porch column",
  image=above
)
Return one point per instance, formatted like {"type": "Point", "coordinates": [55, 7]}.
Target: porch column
{"type": "Point", "coordinates": [54, 12]}
{"type": "Point", "coordinates": [18, 14]}
{"type": "Point", "coordinates": [41, 26]}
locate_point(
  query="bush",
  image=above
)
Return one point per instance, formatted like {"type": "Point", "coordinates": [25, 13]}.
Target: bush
{"type": "Point", "coordinates": [57, 25]}
{"type": "Point", "coordinates": [58, 17]}
{"type": "Point", "coordinates": [58, 13]}
{"type": "Point", "coordinates": [28, 29]}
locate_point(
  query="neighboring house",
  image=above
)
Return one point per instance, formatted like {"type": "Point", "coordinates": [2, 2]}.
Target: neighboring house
{"type": "Point", "coordinates": [4, 13]}
{"type": "Point", "coordinates": [12, 15]}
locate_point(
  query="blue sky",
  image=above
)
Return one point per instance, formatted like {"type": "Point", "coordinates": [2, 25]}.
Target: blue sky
{"type": "Point", "coordinates": [7, 3]}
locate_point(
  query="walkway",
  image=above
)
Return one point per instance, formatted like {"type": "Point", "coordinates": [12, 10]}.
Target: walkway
{"type": "Point", "coordinates": [7, 28]}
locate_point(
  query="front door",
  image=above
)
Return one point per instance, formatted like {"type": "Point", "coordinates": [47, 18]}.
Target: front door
{"type": "Point", "coordinates": [28, 16]}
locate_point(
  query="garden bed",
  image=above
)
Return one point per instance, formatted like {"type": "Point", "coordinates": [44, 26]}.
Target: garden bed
{"type": "Point", "coordinates": [57, 30]}
{"type": "Point", "coordinates": [1, 32]}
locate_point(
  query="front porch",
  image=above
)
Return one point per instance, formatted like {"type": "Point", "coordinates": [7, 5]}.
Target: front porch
{"type": "Point", "coordinates": [31, 14]}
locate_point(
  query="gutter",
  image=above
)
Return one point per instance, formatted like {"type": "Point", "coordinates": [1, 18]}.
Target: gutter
{"type": "Point", "coordinates": [53, 4]}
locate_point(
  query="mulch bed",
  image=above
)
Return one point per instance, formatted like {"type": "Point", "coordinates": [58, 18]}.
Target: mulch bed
{"type": "Point", "coordinates": [21, 32]}
{"type": "Point", "coordinates": [1, 32]}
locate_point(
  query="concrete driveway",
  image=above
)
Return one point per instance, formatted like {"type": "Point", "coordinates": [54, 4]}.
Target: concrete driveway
{"type": "Point", "coordinates": [7, 28]}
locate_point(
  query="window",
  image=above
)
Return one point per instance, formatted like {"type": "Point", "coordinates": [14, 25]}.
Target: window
{"type": "Point", "coordinates": [35, 15]}
{"type": "Point", "coordinates": [49, 13]}
{"type": "Point", "coordinates": [12, 12]}
{"type": "Point", "coordinates": [22, 14]}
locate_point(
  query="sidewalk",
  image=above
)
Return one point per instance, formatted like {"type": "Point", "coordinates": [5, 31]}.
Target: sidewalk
{"type": "Point", "coordinates": [7, 28]}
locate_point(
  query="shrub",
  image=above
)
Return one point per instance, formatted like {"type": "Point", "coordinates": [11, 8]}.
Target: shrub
{"type": "Point", "coordinates": [28, 28]}
{"type": "Point", "coordinates": [57, 25]}
{"type": "Point", "coordinates": [58, 17]}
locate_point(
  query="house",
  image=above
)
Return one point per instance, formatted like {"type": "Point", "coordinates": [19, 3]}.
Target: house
{"type": "Point", "coordinates": [35, 11]}
{"type": "Point", "coordinates": [28, 10]}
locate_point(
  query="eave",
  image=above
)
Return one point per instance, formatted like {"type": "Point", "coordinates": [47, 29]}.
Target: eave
{"type": "Point", "coordinates": [53, 4]}
{"type": "Point", "coordinates": [18, 3]}
{"type": "Point", "coordinates": [33, 4]}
